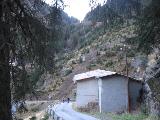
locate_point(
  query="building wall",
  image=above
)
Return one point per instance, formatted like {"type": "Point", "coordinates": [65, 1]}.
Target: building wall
{"type": "Point", "coordinates": [134, 94]}
{"type": "Point", "coordinates": [87, 91]}
{"type": "Point", "coordinates": [114, 94]}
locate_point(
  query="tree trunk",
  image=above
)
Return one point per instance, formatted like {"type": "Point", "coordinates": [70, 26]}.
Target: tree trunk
{"type": "Point", "coordinates": [5, 93]}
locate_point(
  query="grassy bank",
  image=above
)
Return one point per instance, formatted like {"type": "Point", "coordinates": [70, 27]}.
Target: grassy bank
{"type": "Point", "coordinates": [125, 116]}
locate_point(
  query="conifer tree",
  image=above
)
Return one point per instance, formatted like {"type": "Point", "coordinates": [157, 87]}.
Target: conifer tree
{"type": "Point", "coordinates": [23, 38]}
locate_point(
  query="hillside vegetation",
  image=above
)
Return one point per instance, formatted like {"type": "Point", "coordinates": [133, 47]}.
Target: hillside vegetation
{"type": "Point", "coordinates": [111, 37]}
{"type": "Point", "coordinates": [42, 48]}
{"type": "Point", "coordinates": [98, 50]}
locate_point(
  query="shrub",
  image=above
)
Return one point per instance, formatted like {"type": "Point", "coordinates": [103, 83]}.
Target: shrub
{"type": "Point", "coordinates": [145, 109]}
{"type": "Point", "coordinates": [110, 54]}
{"type": "Point", "coordinates": [86, 50]}
{"type": "Point", "coordinates": [67, 72]}
{"type": "Point", "coordinates": [46, 117]}
{"type": "Point", "coordinates": [33, 118]}
{"type": "Point", "coordinates": [89, 67]}
{"type": "Point", "coordinates": [35, 109]}
{"type": "Point", "coordinates": [109, 63]}
{"type": "Point", "coordinates": [73, 62]}
{"type": "Point", "coordinates": [100, 61]}
{"type": "Point", "coordinates": [130, 53]}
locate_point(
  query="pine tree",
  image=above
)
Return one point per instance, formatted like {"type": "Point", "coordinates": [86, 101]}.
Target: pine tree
{"type": "Point", "coordinates": [149, 27]}
{"type": "Point", "coordinates": [22, 37]}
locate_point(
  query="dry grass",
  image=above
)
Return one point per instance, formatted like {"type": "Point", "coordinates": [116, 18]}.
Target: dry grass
{"type": "Point", "coordinates": [90, 107]}
{"type": "Point", "coordinates": [35, 108]}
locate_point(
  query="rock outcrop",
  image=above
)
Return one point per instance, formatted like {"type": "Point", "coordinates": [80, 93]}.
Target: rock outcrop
{"type": "Point", "coordinates": [151, 86]}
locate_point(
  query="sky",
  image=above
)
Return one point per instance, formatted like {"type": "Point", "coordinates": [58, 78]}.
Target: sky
{"type": "Point", "coordinates": [76, 8]}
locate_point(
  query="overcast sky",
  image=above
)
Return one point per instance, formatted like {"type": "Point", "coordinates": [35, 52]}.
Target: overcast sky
{"type": "Point", "coordinates": [76, 8]}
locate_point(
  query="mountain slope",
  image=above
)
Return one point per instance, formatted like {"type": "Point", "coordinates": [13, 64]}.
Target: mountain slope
{"type": "Point", "coordinates": [103, 52]}
{"type": "Point", "coordinates": [87, 47]}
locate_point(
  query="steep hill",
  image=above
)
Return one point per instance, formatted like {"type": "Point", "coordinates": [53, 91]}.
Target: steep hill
{"type": "Point", "coordinates": [112, 37]}
{"type": "Point", "coordinates": [98, 50]}
{"type": "Point", "coordinates": [91, 45]}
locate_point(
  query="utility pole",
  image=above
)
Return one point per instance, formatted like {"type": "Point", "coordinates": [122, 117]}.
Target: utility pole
{"type": "Point", "coordinates": [127, 71]}
{"type": "Point", "coordinates": [126, 59]}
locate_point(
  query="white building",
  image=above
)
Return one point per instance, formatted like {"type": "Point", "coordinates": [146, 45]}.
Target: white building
{"type": "Point", "coordinates": [113, 92]}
